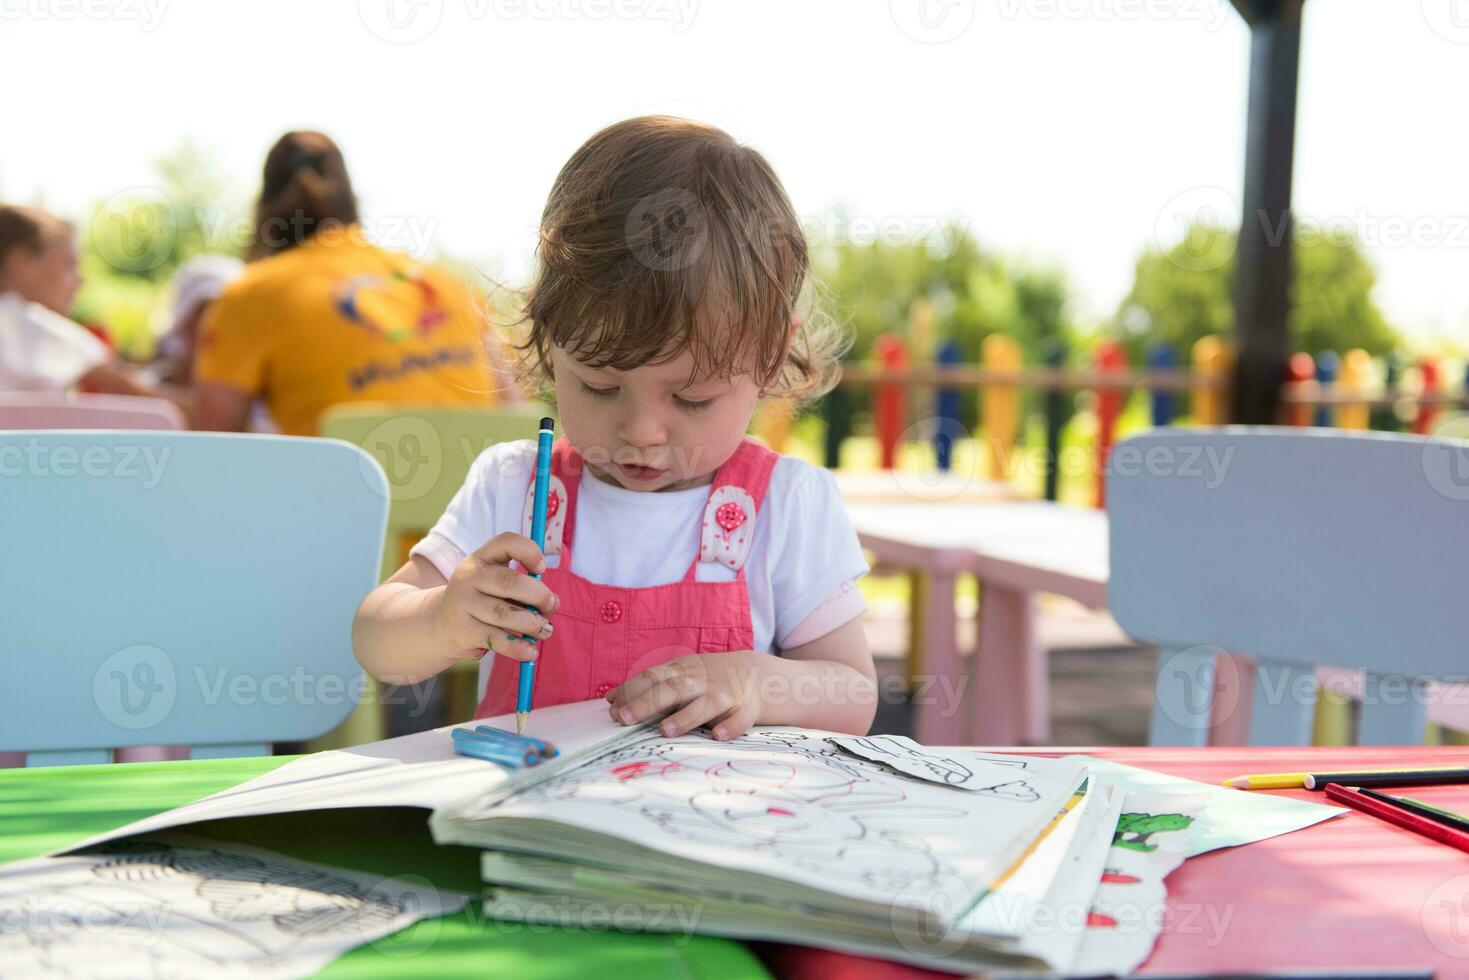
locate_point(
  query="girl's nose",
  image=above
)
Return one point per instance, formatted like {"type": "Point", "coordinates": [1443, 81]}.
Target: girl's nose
{"type": "Point", "coordinates": [642, 428]}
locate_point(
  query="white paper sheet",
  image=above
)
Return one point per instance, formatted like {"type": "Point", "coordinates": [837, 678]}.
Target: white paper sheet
{"type": "Point", "coordinates": [1229, 818]}
{"type": "Point", "coordinates": [419, 770]}
{"type": "Point", "coordinates": [172, 906]}
{"type": "Point", "coordinates": [1129, 910]}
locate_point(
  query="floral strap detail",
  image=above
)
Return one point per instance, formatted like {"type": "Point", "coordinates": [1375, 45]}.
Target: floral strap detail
{"type": "Point", "coordinates": [729, 527]}
{"type": "Point", "coordinates": [555, 514]}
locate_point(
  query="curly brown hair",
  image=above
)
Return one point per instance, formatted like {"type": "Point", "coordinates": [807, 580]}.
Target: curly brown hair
{"type": "Point", "coordinates": [662, 235]}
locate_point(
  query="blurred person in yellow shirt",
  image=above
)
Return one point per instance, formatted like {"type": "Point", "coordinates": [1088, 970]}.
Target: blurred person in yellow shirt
{"type": "Point", "coordinates": [322, 316]}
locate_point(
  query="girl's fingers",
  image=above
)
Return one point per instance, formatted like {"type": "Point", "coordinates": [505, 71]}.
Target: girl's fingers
{"type": "Point", "coordinates": [500, 640]}
{"type": "Point", "coordinates": [504, 582]}
{"type": "Point", "coordinates": [502, 548]}
{"type": "Point", "coordinates": [658, 700]}
{"type": "Point", "coordinates": [675, 672]}
{"type": "Point", "coordinates": [704, 708]}
{"type": "Point", "coordinates": [509, 617]}
{"type": "Point", "coordinates": [733, 723]}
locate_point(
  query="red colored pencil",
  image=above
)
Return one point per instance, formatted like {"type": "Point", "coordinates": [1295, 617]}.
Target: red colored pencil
{"type": "Point", "coordinates": [1403, 818]}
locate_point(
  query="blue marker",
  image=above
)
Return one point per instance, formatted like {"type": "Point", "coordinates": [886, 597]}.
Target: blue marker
{"type": "Point", "coordinates": [492, 750]}
{"type": "Point", "coordinates": [538, 534]}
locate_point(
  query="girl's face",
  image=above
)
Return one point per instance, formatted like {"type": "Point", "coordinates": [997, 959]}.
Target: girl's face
{"type": "Point", "coordinates": [650, 428]}
{"type": "Point", "coordinates": [48, 276]}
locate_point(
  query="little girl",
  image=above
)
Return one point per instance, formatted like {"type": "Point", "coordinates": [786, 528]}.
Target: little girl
{"type": "Point", "coordinates": [689, 572]}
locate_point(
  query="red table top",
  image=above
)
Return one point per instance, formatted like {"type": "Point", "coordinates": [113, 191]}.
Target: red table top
{"type": "Point", "coordinates": [1352, 892]}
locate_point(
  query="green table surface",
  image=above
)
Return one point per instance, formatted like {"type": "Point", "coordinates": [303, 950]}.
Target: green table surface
{"type": "Point", "coordinates": [44, 809]}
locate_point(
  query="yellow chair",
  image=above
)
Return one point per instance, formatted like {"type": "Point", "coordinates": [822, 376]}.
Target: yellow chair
{"type": "Point", "coordinates": [426, 453]}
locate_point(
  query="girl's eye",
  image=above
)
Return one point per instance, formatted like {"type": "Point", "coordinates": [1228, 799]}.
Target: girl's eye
{"type": "Point", "coordinates": [693, 406]}
{"type": "Point", "coordinates": [598, 392]}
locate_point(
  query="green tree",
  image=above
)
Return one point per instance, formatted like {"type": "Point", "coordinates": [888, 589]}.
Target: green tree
{"type": "Point", "coordinates": [1184, 292]}
{"type": "Point", "coordinates": [974, 292]}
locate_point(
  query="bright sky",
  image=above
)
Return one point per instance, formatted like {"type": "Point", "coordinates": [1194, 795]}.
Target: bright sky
{"type": "Point", "coordinates": [1070, 131]}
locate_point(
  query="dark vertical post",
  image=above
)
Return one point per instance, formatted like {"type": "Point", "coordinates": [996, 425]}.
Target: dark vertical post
{"type": "Point", "coordinates": [946, 408]}
{"type": "Point", "coordinates": [1263, 272]}
{"type": "Point", "coordinates": [1058, 404]}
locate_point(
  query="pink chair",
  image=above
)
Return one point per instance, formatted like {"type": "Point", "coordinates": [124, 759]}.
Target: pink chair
{"type": "Point", "coordinates": [61, 410]}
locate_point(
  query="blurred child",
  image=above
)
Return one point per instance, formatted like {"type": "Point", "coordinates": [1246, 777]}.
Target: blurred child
{"type": "Point", "coordinates": [40, 348]}
{"type": "Point", "coordinates": [690, 572]}
{"type": "Point", "coordinates": [196, 283]}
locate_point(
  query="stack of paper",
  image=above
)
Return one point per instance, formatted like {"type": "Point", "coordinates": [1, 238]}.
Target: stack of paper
{"type": "Point", "coordinates": [797, 835]}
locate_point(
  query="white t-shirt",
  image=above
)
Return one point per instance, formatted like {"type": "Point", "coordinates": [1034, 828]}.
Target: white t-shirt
{"type": "Point", "coordinates": [41, 350]}
{"type": "Point", "coordinates": [804, 554]}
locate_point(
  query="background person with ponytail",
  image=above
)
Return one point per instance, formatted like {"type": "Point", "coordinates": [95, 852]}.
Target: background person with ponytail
{"type": "Point", "coordinates": [322, 316]}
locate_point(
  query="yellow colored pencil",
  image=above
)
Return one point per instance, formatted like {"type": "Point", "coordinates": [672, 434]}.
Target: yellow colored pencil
{"type": "Point", "coordinates": [1297, 780]}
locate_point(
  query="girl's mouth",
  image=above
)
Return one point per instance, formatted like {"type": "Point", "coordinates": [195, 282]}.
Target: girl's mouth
{"type": "Point", "coordinates": [642, 474]}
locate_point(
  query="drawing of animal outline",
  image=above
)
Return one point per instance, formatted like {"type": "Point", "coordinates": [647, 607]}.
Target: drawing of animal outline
{"type": "Point", "coordinates": [950, 770]}
{"type": "Point", "coordinates": [809, 807]}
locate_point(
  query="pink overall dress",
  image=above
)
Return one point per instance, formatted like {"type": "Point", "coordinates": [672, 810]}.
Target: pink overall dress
{"type": "Point", "coordinates": [604, 634]}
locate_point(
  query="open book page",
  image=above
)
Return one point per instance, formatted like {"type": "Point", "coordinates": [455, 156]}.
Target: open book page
{"type": "Point", "coordinates": [176, 906]}
{"type": "Point", "coordinates": [419, 770]}
{"type": "Point", "coordinates": [775, 804]}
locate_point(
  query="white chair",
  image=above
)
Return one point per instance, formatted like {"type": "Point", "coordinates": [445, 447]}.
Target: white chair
{"type": "Point", "coordinates": [1300, 549]}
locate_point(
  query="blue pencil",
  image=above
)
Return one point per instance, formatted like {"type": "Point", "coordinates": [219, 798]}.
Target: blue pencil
{"type": "Point", "coordinates": [492, 750]}
{"type": "Point", "coordinates": [538, 534]}
{"type": "Point", "coordinates": [546, 749]}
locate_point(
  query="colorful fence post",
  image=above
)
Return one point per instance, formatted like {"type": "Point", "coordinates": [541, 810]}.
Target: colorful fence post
{"type": "Point", "coordinates": [889, 399]}
{"type": "Point", "coordinates": [1300, 373]}
{"type": "Point", "coordinates": [774, 420]}
{"type": "Point", "coordinates": [1058, 413]}
{"type": "Point", "coordinates": [1432, 384]}
{"type": "Point", "coordinates": [1328, 365]}
{"type": "Point", "coordinates": [1213, 359]}
{"type": "Point", "coordinates": [1110, 358]}
{"type": "Point", "coordinates": [1354, 378]}
{"type": "Point", "coordinates": [999, 404]}
{"type": "Point", "coordinates": [1162, 357]}
{"type": "Point", "coordinates": [946, 408]}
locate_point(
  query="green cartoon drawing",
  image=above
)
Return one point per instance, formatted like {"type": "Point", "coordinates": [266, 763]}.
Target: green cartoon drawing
{"type": "Point", "coordinates": [1144, 825]}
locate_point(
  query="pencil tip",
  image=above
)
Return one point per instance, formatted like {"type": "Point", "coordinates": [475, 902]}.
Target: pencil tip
{"type": "Point", "coordinates": [520, 720]}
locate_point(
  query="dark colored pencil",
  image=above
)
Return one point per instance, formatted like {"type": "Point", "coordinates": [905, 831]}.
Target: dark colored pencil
{"type": "Point", "coordinates": [1397, 815]}
{"type": "Point", "coordinates": [1377, 780]}
{"type": "Point", "coordinates": [1427, 812]}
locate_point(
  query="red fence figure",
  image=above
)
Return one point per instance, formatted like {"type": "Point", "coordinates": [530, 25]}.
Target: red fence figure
{"type": "Point", "coordinates": [1432, 383]}
{"type": "Point", "coordinates": [889, 400]}
{"type": "Point", "coordinates": [1109, 358]}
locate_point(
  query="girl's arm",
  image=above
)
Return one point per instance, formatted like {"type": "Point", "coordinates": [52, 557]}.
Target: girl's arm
{"type": "Point", "coordinates": [417, 623]}
{"type": "Point", "coordinates": [829, 683]}
{"type": "Point", "coordinates": [393, 632]}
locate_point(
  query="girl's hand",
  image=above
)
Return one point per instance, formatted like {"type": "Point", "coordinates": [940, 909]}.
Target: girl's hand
{"type": "Point", "coordinates": [721, 690]}
{"type": "Point", "coordinates": [481, 608]}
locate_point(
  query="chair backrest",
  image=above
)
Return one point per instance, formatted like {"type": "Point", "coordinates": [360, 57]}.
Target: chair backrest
{"type": "Point", "coordinates": [426, 453]}
{"type": "Point", "coordinates": [63, 410]}
{"type": "Point", "coordinates": [1298, 548]}
{"type": "Point", "coordinates": [180, 588]}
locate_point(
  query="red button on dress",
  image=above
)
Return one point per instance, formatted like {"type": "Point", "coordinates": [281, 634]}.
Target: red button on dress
{"type": "Point", "coordinates": [602, 690]}
{"type": "Point", "coordinates": [611, 611]}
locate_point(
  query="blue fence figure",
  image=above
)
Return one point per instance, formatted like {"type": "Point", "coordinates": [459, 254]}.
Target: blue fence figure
{"type": "Point", "coordinates": [946, 408]}
{"type": "Point", "coordinates": [1328, 364]}
{"type": "Point", "coordinates": [1162, 357]}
